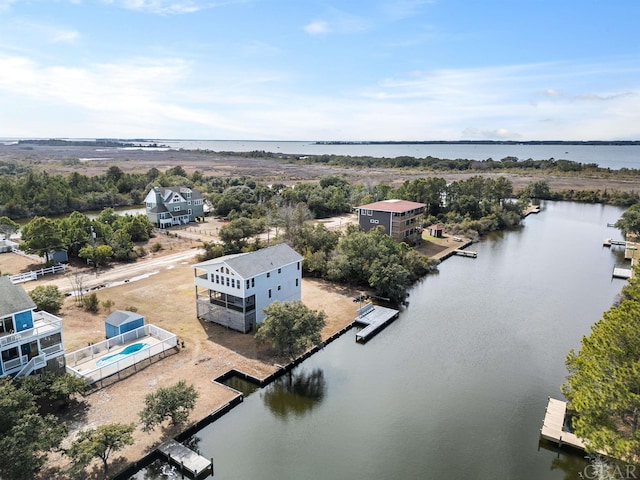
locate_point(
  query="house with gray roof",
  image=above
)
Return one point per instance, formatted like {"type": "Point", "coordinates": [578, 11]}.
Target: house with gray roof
{"type": "Point", "coordinates": [29, 340]}
{"type": "Point", "coordinates": [233, 290]}
{"type": "Point", "coordinates": [169, 206]}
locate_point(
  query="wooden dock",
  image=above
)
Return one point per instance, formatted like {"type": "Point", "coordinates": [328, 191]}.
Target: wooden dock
{"type": "Point", "coordinates": [374, 317]}
{"type": "Point", "coordinates": [465, 253]}
{"type": "Point", "coordinates": [608, 242]}
{"type": "Point", "coordinates": [622, 272]}
{"type": "Point", "coordinates": [186, 459]}
{"type": "Point", "coordinates": [553, 425]}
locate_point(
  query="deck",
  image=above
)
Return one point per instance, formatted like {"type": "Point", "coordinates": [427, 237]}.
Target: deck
{"type": "Point", "coordinates": [553, 425]}
{"type": "Point", "coordinates": [374, 317]}
{"type": "Point", "coordinates": [185, 458]}
{"type": "Point", "coordinates": [622, 272]}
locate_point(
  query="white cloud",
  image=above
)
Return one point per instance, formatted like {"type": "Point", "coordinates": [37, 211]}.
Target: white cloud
{"type": "Point", "coordinates": [317, 27]}
{"type": "Point", "coordinates": [172, 98]}
{"type": "Point", "coordinates": [160, 7]}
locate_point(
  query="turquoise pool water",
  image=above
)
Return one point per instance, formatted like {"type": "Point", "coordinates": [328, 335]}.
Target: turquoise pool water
{"type": "Point", "coordinates": [119, 356]}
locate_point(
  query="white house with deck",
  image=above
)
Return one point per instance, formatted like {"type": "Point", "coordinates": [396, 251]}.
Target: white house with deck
{"type": "Point", "coordinates": [29, 340]}
{"type": "Point", "coordinates": [233, 290]}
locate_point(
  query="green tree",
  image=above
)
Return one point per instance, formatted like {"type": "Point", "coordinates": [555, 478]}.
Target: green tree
{"type": "Point", "coordinates": [137, 226]}
{"type": "Point", "coordinates": [41, 236]}
{"type": "Point", "coordinates": [99, 442]}
{"type": "Point", "coordinates": [236, 233]}
{"type": "Point", "coordinates": [47, 298]}
{"type": "Point", "coordinates": [8, 227]}
{"type": "Point", "coordinates": [538, 189]}
{"type": "Point", "coordinates": [100, 255]}
{"type": "Point", "coordinates": [108, 216]}
{"type": "Point", "coordinates": [122, 246]}
{"type": "Point", "coordinates": [629, 222]}
{"type": "Point", "coordinates": [603, 385]}
{"type": "Point", "coordinates": [25, 436]}
{"type": "Point", "coordinates": [54, 388]}
{"type": "Point", "coordinates": [77, 229]}
{"type": "Point", "coordinates": [290, 328]}
{"type": "Point", "coordinates": [171, 403]}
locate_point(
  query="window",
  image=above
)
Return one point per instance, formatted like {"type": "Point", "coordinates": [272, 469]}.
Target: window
{"type": "Point", "coordinates": [298, 265]}
{"type": "Point", "coordinates": [217, 279]}
{"type": "Point", "coordinates": [279, 287]}
{"type": "Point", "coordinates": [190, 212]}
{"type": "Point", "coordinates": [268, 274]}
{"type": "Point", "coordinates": [189, 202]}
{"type": "Point", "coordinates": [6, 325]}
{"type": "Point", "coordinates": [238, 284]}
{"type": "Point", "coordinates": [269, 293]}
{"type": "Point", "coordinates": [233, 283]}
{"type": "Point", "coordinates": [253, 282]}
{"type": "Point", "coordinates": [176, 209]}
{"type": "Point", "coordinates": [247, 283]}
{"type": "Point", "coordinates": [279, 270]}
{"type": "Point", "coordinates": [369, 213]}
{"type": "Point", "coordinates": [227, 281]}
{"type": "Point", "coordinates": [296, 282]}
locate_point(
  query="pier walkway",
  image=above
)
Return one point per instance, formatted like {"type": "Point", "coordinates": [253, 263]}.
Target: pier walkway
{"type": "Point", "coordinates": [185, 458]}
{"type": "Point", "coordinates": [553, 425]}
{"type": "Point", "coordinates": [374, 317]}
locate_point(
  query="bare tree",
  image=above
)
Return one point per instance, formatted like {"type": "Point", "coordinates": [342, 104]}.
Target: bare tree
{"type": "Point", "coordinates": [78, 280]}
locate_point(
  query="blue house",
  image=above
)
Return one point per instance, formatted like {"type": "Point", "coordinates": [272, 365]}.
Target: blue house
{"type": "Point", "coordinates": [29, 341]}
{"type": "Point", "coordinates": [122, 321]}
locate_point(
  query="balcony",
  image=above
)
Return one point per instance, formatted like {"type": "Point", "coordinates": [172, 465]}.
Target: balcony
{"type": "Point", "coordinates": [44, 324]}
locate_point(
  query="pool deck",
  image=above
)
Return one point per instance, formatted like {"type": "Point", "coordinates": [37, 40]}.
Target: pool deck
{"type": "Point", "coordinates": [91, 363]}
{"type": "Point", "coordinates": [84, 363]}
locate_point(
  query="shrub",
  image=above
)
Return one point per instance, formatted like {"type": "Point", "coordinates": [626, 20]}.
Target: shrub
{"type": "Point", "coordinates": [91, 303]}
{"type": "Point", "coordinates": [47, 298]}
{"type": "Point", "coordinates": [107, 305]}
{"type": "Point", "coordinates": [156, 247]}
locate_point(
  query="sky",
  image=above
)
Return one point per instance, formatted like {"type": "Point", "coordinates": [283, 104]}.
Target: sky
{"type": "Point", "coordinates": [387, 70]}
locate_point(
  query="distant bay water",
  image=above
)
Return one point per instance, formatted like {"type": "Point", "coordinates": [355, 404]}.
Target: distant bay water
{"type": "Point", "coordinates": [614, 157]}
{"type": "Point", "coordinates": [605, 156]}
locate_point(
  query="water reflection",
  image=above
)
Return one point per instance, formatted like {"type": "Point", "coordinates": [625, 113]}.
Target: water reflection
{"type": "Point", "coordinates": [159, 469]}
{"type": "Point", "coordinates": [572, 464]}
{"type": "Point", "coordinates": [296, 393]}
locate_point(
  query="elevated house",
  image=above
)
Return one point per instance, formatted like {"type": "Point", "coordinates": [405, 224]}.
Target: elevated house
{"type": "Point", "coordinates": [401, 219]}
{"type": "Point", "coordinates": [169, 206]}
{"type": "Point", "coordinates": [29, 340]}
{"type": "Point", "coordinates": [233, 290]}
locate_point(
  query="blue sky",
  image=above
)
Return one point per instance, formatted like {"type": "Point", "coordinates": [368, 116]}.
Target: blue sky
{"type": "Point", "coordinates": [321, 70]}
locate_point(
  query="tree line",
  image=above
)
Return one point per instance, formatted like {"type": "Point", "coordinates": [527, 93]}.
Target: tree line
{"type": "Point", "coordinates": [30, 428]}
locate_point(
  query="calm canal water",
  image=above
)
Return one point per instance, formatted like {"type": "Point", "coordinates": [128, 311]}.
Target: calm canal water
{"type": "Point", "coordinates": [456, 387]}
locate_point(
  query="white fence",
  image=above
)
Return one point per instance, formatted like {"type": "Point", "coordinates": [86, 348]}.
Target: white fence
{"type": "Point", "coordinates": [34, 274]}
{"type": "Point", "coordinates": [79, 362]}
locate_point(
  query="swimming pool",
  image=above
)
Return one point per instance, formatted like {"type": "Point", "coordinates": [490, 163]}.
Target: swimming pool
{"type": "Point", "coordinates": [136, 347]}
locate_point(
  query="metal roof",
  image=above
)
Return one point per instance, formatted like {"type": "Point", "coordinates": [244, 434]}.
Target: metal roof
{"type": "Point", "coordinates": [396, 206]}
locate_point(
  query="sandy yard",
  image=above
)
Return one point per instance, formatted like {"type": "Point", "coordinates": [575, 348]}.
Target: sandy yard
{"type": "Point", "coordinates": [167, 299]}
